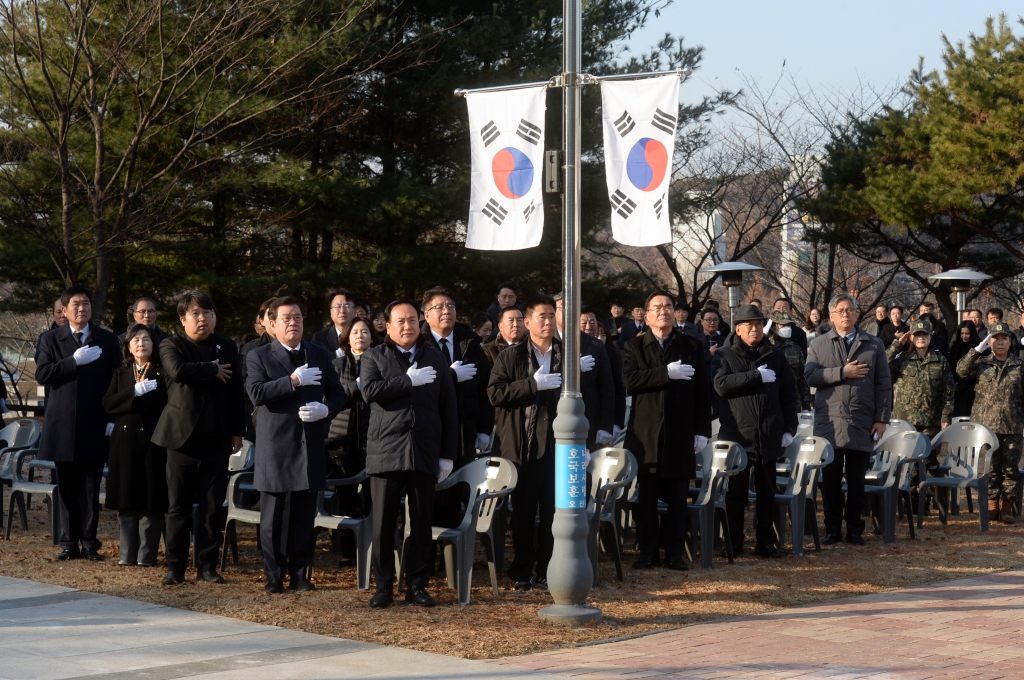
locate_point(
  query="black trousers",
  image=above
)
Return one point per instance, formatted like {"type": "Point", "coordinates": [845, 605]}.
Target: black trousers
{"type": "Point", "coordinates": [386, 491]}
{"type": "Point", "coordinates": [200, 476]}
{"type": "Point", "coordinates": [854, 464]}
{"type": "Point", "coordinates": [651, 530]}
{"type": "Point", "coordinates": [764, 507]}
{"type": "Point", "coordinates": [534, 492]}
{"type": "Point", "coordinates": [78, 485]}
{"type": "Point", "coordinates": [297, 555]}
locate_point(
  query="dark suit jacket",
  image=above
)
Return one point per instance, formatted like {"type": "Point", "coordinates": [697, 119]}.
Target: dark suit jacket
{"type": "Point", "coordinates": [186, 374]}
{"type": "Point", "coordinates": [800, 338]}
{"type": "Point", "coordinates": [328, 339]}
{"type": "Point", "coordinates": [290, 453]}
{"type": "Point", "coordinates": [629, 331]}
{"type": "Point", "coordinates": [76, 423]}
{"type": "Point", "coordinates": [523, 413]}
{"type": "Point", "coordinates": [666, 414]}
{"type": "Point", "coordinates": [250, 426]}
{"type": "Point", "coordinates": [598, 389]}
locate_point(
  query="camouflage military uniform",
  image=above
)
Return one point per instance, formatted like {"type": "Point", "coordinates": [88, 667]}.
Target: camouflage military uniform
{"type": "Point", "coordinates": [795, 357]}
{"type": "Point", "coordinates": [999, 405]}
{"type": "Point", "coordinates": [923, 388]}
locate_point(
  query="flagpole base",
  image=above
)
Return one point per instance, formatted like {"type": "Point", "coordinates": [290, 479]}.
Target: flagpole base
{"type": "Point", "coordinates": [572, 615]}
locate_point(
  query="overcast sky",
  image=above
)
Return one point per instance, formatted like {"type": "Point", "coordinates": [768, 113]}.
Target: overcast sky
{"type": "Point", "coordinates": [825, 44]}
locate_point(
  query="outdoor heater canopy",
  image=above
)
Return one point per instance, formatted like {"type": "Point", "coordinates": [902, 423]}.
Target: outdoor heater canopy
{"type": "Point", "coordinates": [732, 272]}
{"type": "Point", "coordinates": [960, 280]}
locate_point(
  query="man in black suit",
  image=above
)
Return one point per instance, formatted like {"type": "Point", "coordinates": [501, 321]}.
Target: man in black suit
{"type": "Point", "coordinates": [632, 327]}
{"type": "Point", "coordinates": [589, 325]}
{"type": "Point", "coordinates": [342, 303]}
{"type": "Point", "coordinates": [144, 312]}
{"type": "Point", "coordinates": [297, 391]}
{"type": "Point", "coordinates": [613, 324]}
{"type": "Point", "coordinates": [77, 361]}
{"type": "Point", "coordinates": [265, 338]}
{"type": "Point", "coordinates": [799, 335]}
{"type": "Point", "coordinates": [201, 426]}
{"type": "Point", "coordinates": [412, 444]}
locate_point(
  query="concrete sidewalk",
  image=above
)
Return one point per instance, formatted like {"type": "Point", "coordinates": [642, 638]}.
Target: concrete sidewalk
{"type": "Point", "coordinates": [968, 628]}
{"type": "Point", "coordinates": [48, 632]}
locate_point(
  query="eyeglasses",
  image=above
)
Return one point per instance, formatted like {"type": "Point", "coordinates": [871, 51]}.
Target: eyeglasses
{"type": "Point", "coordinates": [145, 312]}
{"type": "Point", "coordinates": [347, 307]}
{"type": "Point", "coordinates": [845, 311]}
{"type": "Point", "coordinates": [448, 306]}
{"type": "Point", "coordinates": [660, 308]}
{"type": "Point", "coordinates": [201, 313]}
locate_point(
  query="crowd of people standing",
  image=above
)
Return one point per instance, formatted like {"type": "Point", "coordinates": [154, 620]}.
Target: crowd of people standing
{"type": "Point", "coordinates": [409, 394]}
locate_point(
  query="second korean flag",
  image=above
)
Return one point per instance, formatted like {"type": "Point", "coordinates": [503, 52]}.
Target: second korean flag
{"type": "Point", "coordinates": [640, 119]}
{"type": "Point", "coordinates": [506, 207]}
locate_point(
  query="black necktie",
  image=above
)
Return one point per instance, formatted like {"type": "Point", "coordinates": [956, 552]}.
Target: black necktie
{"type": "Point", "coordinates": [78, 337]}
{"type": "Point", "coordinates": [444, 348]}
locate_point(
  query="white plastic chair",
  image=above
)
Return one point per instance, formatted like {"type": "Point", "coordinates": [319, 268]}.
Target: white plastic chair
{"type": "Point", "coordinates": [611, 470]}
{"type": "Point", "coordinates": [809, 455]}
{"type": "Point", "coordinates": [966, 465]}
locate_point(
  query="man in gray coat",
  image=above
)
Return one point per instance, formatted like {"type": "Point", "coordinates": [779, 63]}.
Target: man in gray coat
{"type": "Point", "coordinates": [296, 392]}
{"type": "Point", "coordinates": [851, 409]}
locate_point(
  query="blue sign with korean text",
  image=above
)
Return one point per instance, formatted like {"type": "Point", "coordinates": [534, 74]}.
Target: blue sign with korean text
{"type": "Point", "coordinates": [570, 476]}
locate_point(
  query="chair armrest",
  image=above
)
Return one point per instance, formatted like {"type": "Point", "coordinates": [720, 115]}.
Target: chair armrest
{"type": "Point", "coordinates": [235, 480]}
{"type": "Point", "coordinates": [359, 478]}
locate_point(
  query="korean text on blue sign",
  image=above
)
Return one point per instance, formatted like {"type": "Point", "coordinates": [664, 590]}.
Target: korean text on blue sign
{"type": "Point", "coordinates": [570, 476]}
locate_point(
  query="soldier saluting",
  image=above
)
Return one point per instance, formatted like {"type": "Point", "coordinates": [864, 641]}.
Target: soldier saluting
{"type": "Point", "coordinates": [998, 405]}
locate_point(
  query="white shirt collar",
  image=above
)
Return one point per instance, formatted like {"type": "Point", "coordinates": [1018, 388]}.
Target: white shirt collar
{"type": "Point", "coordinates": [86, 331]}
{"type": "Point", "coordinates": [289, 349]}
{"type": "Point", "coordinates": [437, 338]}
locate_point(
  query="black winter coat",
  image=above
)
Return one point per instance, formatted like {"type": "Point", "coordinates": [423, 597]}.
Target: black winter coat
{"type": "Point", "coordinates": [137, 477]}
{"type": "Point", "coordinates": [346, 438]}
{"type": "Point", "coordinates": [752, 413]}
{"type": "Point", "coordinates": [411, 428]}
{"type": "Point", "coordinates": [476, 415]}
{"type": "Point", "coordinates": [523, 413]}
{"type": "Point", "coordinates": [250, 425]}
{"type": "Point", "coordinates": [75, 425]}
{"type": "Point", "coordinates": [615, 362]}
{"type": "Point", "coordinates": [598, 389]}
{"type": "Point", "coordinates": [666, 414]}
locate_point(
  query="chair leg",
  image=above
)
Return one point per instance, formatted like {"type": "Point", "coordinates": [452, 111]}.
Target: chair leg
{"type": "Point", "coordinates": [464, 570]}
{"type": "Point", "coordinates": [944, 507]}
{"type": "Point", "coordinates": [982, 501]}
{"type": "Point", "coordinates": [22, 511]}
{"type": "Point", "coordinates": [811, 518]}
{"type": "Point", "coordinates": [780, 525]}
{"type": "Point", "coordinates": [970, 503]}
{"type": "Point", "coordinates": [726, 534]}
{"type": "Point", "coordinates": [10, 515]}
{"type": "Point", "coordinates": [617, 552]}
{"type": "Point", "coordinates": [225, 543]}
{"type": "Point", "coordinates": [908, 504]}
{"type": "Point", "coordinates": [889, 500]}
{"type": "Point", "coordinates": [491, 551]}
{"type": "Point", "coordinates": [796, 518]}
{"type": "Point", "coordinates": [707, 536]}
{"type": "Point", "coordinates": [922, 502]}
{"type": "Point", "coordinates": [450, 567]}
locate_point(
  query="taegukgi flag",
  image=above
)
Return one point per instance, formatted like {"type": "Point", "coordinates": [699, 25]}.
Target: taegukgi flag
{"type": "Point", "coordinates": [640, 118]}
{"type": "Point", "coordinates": [506, 210]}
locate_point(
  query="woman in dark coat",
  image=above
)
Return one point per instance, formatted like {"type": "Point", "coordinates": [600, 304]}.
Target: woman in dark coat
{"type": "Point", "coordinates": [137, 477]}
{"type": "Point", "coordinates": [966, 338]}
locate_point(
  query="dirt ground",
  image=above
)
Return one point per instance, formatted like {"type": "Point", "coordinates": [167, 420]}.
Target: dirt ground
{"type": "Point", "coordinates": [508, 624]}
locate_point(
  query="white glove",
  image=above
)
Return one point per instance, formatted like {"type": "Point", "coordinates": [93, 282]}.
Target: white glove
{"type": "Point", "coordinates": [767, 326]}
{"type": "Point", "coordinates": [110, 429]}
{"type": "Point", "coordinates": [482, 440]}
{"type": "Point", "coordinates": [307, 376]}
{"type": "Point", "coordinates": [144, 386]}
{"type": "Point", "coordinates": [359, 384]}
{"type": "Point", "coordinates": [616, 431]}
{"type": "Point", "coordinates": [980, 349]}
{"type": "Point", "coordinates": [699, 443]}
{"type": "Point", "coordinates": [87, 354]}
{"type": "Point", "coordinates": [767, 374]}
{"type": "Point", "coordinates": [3, 407]}
{"type": "Point", "coordinates": [421, 376]}
{"type": "Point", "coordinates": [313, 411]}
{"type": "Point", "coordinates": [586, 458]}
{"type": "Point", "coordinates": [787, 439]}
{"type": "Point", "coordinates": [339, 352]}
{"type": "Point", "coordinates": [603, 438]}
{"type": "Point", "coordinates": [463, 372]}
{"type": "Point", "coordinates": [446, 469]}
{"type": "Point", "coordinates": [587, 362]}
{"type": "Point", "coordinates": [677, 370]}
{"type": "Point", "coordinates": [547, 381]}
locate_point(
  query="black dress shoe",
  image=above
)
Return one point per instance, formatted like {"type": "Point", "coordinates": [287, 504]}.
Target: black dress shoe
{"type": "Point", "coordinates": [522, 586]}
{"type": "Point", "coordinates": [173, 579]}
{"type": "Point", "coordinates": [646, 562]}
{"type": "Point", "coordinates": [677, 563]}
{"type": "Point", "coordinates": [94, 556]}
{"type": "Point", "coordinates": [274, 588]}
{"type": "Point", "coordinates": [831, 539]}
{"type": "Point", "coordinates": [382, 599]}
{"type": "Point", "coordinates": [856, 539]}
{"type": "Point", "coordinates": [419, 596]}
{"type": "Point", "coordinates": [69, 554]}
{"type": "Point", "coordinates": [210, 575]}
{"type": "Point", "coordinates": [769, 551]}
{"type": "Point", "coordinates": [736, 552]}
{"type": "Point", "coordinates": [540, 583]}
{"type": "Point", "coordinates": [301, 585]}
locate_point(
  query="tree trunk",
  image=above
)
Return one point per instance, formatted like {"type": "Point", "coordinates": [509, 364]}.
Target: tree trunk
{"type": "Point", "coordinates": [830, 274]}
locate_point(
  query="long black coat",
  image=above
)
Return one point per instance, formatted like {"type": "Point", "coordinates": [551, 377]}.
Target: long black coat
{"type": "Point", "coordinates": [76, 424]}
{"type": "Point", "coordinates": [346, 436]}
{"type": "Point", "coordinates": [476, 415]}
{"type": "Point", "coordinates": [666, 414]}
{"type": "Point", "coordinates": [524, 414]}
{"type": "Point", "coordinates": [615, 362]}
{"type": "Point", "coordinates": [290, 453]}
{"type": "Point", "coordinates": [137, 479]}
{"type": "Point", "coordinates": [250, 425]}
{"type": "Point", "coordinates": [752, 413]}
{"type": "Point", "coordinates": [188, 380]}
{"type": "Point", "coordinates": [411, 428]}
{"type": "Point", "coordinates": [598, 389]}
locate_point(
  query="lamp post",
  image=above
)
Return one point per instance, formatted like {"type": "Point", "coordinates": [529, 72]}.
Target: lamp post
{"type": "Point", "coordinates": [960, 281]}
{"type": "Point", "coordinates": [732, 279]}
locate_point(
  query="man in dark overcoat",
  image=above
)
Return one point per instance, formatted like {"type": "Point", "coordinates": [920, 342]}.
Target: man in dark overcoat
{"type": "Point", "coordinates": [665, 371]}
{"type": "Point", "coordinates": [296, 392]}
{"type": "Point", "coordinates": [76, 362]}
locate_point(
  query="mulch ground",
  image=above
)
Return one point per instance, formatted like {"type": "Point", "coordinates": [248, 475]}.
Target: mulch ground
{"type": "Point", "coordinates": [508, 624]}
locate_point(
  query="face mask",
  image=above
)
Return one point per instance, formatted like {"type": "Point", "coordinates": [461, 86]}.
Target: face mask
{"type": "Point", "coordinates": [786, 331]}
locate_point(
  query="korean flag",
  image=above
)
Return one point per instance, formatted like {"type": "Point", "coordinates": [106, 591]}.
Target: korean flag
{"type": "Point", "coordinates": [506, 210]}
{"type": "Point", "coordinates": [640, 118]}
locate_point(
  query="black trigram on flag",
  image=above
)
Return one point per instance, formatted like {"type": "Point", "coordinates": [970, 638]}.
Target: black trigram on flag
{"type": "Point", "coordinates": [624, 124]}
{"type": "Point", "coordinates": [623, 204]}
{"type": "Point", "coordinates": [489, 132]}
{"type": "Point", "coordinates": [495, 211]}
{"type": "Point", "coordinates": [528, 131]}
{"type": "Point", "coordinates": [659, 205]}
{"type": "Point", "coordinates": [664, 121]}
{"type": "Point", "coordinates": [528, 213]}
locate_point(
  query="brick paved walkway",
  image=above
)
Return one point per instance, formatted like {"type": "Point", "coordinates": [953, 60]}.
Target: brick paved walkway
{"type": "Point", "coordinates": [970, 628]}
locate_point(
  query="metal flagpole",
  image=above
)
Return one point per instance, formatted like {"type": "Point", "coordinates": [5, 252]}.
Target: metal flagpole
{"type": "Point", "coordinates": [570, 575]}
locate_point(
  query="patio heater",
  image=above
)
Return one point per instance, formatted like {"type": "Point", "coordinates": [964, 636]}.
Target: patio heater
{"type": "Point", "coordinates": [960, 281]}
{"type": "Point", "coordinates": [732, 279]}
